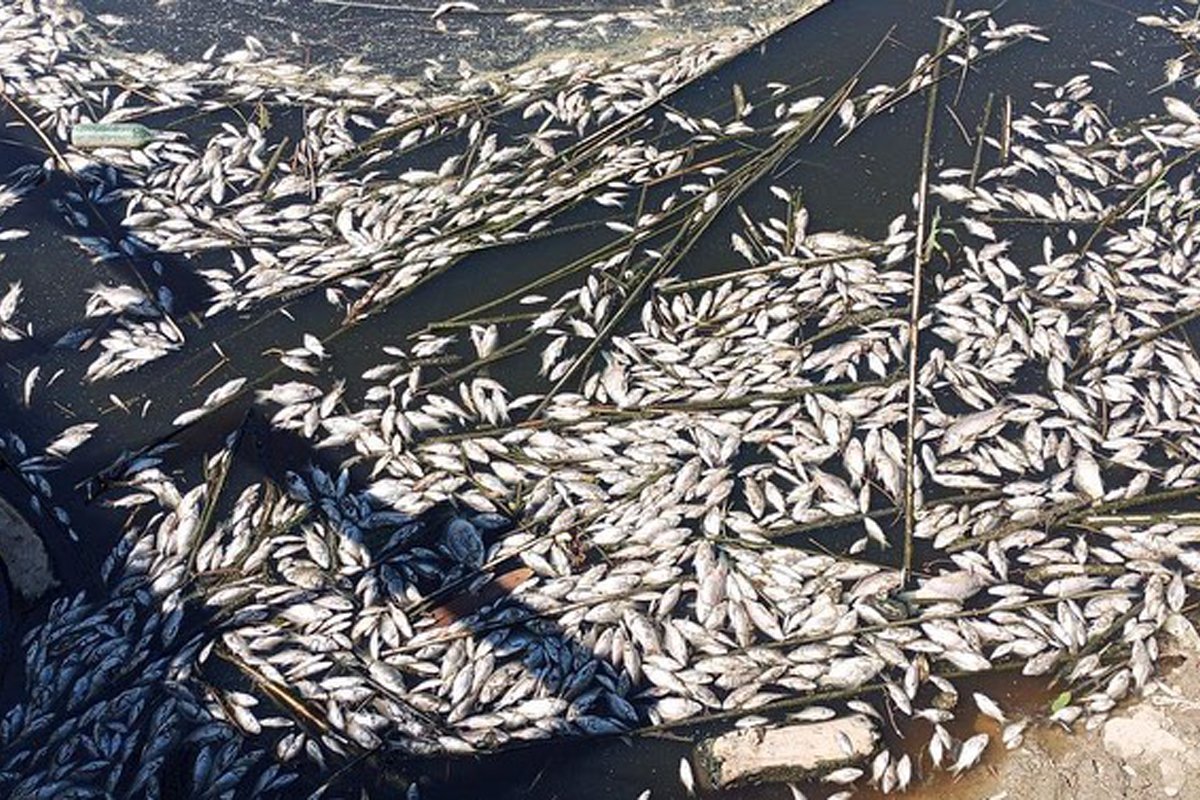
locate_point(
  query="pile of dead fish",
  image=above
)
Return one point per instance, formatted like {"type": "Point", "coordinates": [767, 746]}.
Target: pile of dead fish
{"type": "Point", "coordinates": [627, 545]}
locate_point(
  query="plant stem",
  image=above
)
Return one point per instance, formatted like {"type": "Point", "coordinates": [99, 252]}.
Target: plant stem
{"type": "Point", "coordinates": [596, 413]}
{"type": "Point", "coordinates": [765, 269]}
{"type": "Point", "coordinates": [919, 257]}
{"type": "Point", "coordinates": [980, 135]}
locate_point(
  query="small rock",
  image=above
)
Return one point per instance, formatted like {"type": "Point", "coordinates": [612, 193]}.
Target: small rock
{"type": "Point", "coordinates": [760, 755]}
{"type": "Point", "coordinates": [24, 554]}
{"type": "Point", "coordinates": [1144, 737]}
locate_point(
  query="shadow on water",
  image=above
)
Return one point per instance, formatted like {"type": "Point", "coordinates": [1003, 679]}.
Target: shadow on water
{"type": "Point", "coordinates": [549, 654]}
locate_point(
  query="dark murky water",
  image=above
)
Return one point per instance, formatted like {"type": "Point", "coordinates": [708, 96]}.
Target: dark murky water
{"type": "Point", "coordinates": [859, 186]}
{"type": "Point", "coordinates": [404, 37]}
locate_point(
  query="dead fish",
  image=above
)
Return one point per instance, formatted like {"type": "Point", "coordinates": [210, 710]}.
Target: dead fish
{"type": "Point", "coordinates": [955, 586]}
{"type": "Point", "coordinates": [970, 753]}
{"type": "Point", "coordinates": [1086, 476]}
{"type": "Point", "coordinates": [686, 776]}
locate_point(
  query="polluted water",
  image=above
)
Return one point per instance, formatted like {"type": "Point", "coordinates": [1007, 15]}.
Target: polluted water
{"type": "Point", "coordinates": [539, 431]}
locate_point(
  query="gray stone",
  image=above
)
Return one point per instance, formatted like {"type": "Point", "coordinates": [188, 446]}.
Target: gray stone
{"type": "Point", "coordinates": [1145, 737]}
{"type": "Point", "coordinates": [24, 555]}
{"type": "Point", "coordinates": [789, 752]}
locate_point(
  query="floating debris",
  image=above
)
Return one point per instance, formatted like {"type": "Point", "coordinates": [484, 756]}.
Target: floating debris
{"type": "Point", "coordinates": [90, 135]}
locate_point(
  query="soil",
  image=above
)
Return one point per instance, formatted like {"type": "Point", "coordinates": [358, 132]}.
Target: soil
{"type": "Point", "coordinates": [1144, 750]}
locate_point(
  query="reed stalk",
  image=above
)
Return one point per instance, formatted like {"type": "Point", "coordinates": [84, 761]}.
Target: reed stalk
{"type": "Point", "coordinates": [920, 256]}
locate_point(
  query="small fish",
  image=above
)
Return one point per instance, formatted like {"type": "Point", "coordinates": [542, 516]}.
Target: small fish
{"type": "Point", "coordinates": [70, 439]}
{"type": "Point", "coordinates": [27, 388]}
{"type": "Point", "coordinates": [970, 753]}
{"type": "Point", "coordinates": [1086, 476]}
{"type": "Point", "coordinates": [8, 303]}
{"type": "Point", "coordinates": [1181, 111]}
{"type": "Point", "coordinates": [956, 586]}
{"type": "Point", "coordinates": [686, 777]}
{"type": "Point", "coordinates": [843, 776]}
{"type": "Point", "coordinates": [988, 707]}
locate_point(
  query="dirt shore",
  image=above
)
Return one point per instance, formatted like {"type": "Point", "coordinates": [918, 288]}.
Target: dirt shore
{"type": "Point", "coordinates": [1144, 750]}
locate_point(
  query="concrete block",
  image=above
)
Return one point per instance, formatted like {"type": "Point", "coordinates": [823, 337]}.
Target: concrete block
{"type": "Point", "coordinates": [788, 752]}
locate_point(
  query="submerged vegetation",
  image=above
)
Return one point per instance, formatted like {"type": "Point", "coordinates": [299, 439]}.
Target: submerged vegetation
{"type": "Point", "coordinates": [647, 489]}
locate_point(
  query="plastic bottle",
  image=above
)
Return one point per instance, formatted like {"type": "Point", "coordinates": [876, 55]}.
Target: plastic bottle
{"type": "Point", "coordinates": [88, 135]}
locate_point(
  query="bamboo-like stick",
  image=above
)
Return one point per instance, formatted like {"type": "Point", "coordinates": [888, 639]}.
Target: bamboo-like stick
{"type": "Point", "coordinates": [583, 262]}
{"type": "Point", "coordinates": [1006, 130]}
{"type": "Point", "coordinates": [766, 269]}
{"type": "Point", "coordinates": [498, 354]}
{"type": "Point", "coordinates": [465, 322]}
{"type": "Point", "coordinates": [594, 143]}
{"type": "Point", "coordinates": [914, 320]}
{"type": "Point", "coordinates": [1167, 495]}
{"type": "Point", "coordinates": [605, 412]}
{"type": "Point", "coordinates": [215, 488]}
{"type": "Point", "coordinates": [269, 169]}
{"type": "Point", "coordinates": [980, 136]}
{"type": "Point", "coordinates": [282, 696]}
{"type": "Point", "coordinates": [899, 95]}
{"type": "Point", "coordinates": [1098, 641]}
{"type": "Point", "coordinates": [1073, 512]}
{"type": "Point", "coordinates": [581, 149]}
{"type": "Point", "coordinates": [1136, 342]}
{"type": "Point", "coordinates": [1133, 199]}
{"type": "Point", "coordinates": [1179, 517]}
{"type": "Point", "coordinates": [742, 180]}
{"type": "Point", "coordinates": [65, 166]}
